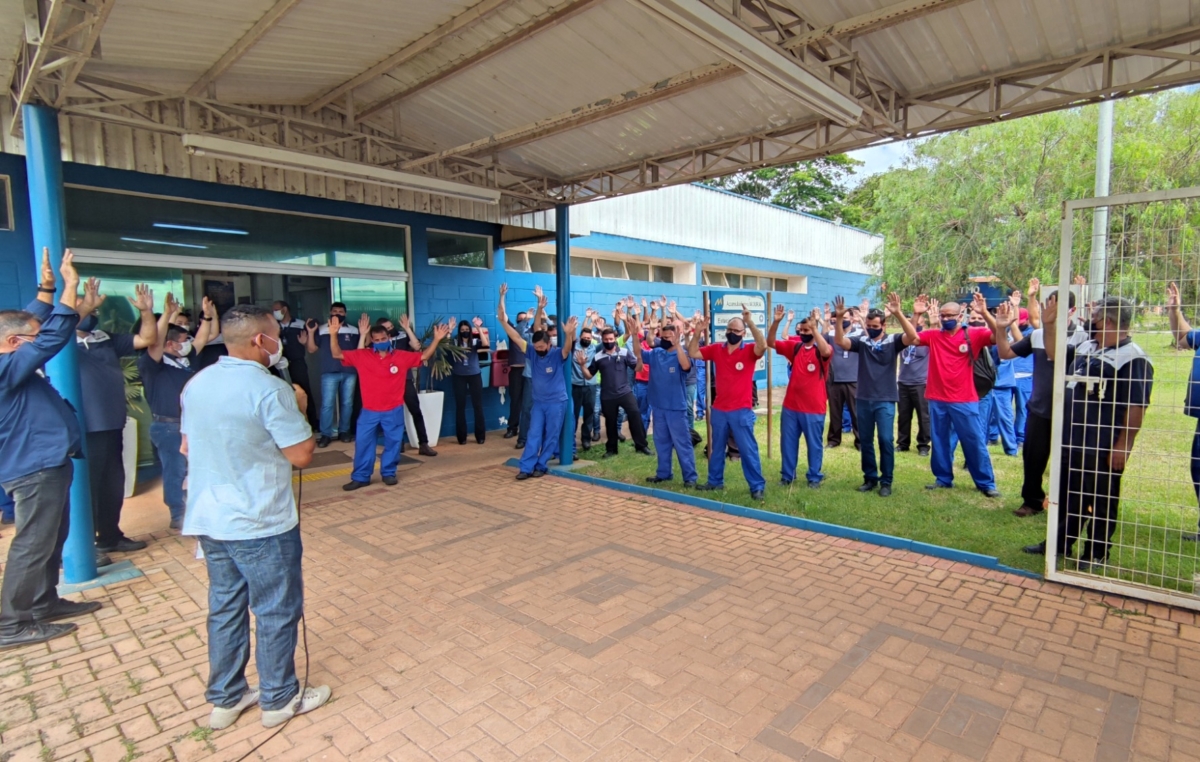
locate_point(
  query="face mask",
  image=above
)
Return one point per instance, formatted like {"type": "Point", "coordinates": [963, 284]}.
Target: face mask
{"type": "Point", "coordinates": [381, 346]}
{"type": "Point", "coordinates": [393, 332]}
{"type": "Point", "coordinates": [845, 324]}
{"type": "Point", "coordinates": [733, 338]}
{"type": "Point", "coordinates": [341, 318]}
{"type": "Point", "coordinates": [609, 346]}
{"type": "Point", "coordinates": [542, 352]}
{"type": "Point", "coordinates": [185, 348]}
{"type": "Point", "coordinates": [807, 338]}
{"type": "Point", "coordinates": [874, 333]}
{"type": "Point", "coordinates": [272, 357]}
{"type": "Point", "coordinates": [949, 324]}
{"type": "Point", "coordinates": [464, 332]}
{"type": "Point", "coordinates": [666, 343]}
{"type": "Point", "coordinates": [278, 314]}
{"type": "Point", "coordinates": [88, 324]}
{"type": "Point", "coordinates": [585, 342]}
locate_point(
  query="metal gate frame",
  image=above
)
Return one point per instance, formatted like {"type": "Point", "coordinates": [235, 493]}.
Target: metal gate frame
{"type": "Point", "coordinates": [1094, 582]}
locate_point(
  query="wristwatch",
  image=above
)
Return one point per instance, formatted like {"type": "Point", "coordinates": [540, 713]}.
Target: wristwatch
{"type": "Point", "coordinates": [43, 290]}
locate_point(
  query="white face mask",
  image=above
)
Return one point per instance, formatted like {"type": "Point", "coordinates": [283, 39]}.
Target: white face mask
{"type": "Point", "coordinates": [278, 314]}
{"type": "Point", "coordinates": [185, 348]}
{"type": "Point", "coordinates": [273, 357]}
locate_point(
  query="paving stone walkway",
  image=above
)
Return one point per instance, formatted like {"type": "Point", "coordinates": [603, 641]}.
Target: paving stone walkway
{"type": "Point", "coordinates": [465, 616]}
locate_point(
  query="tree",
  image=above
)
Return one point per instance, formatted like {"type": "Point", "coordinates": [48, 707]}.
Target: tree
{"type": "Point", "coordinates": [817, 186]}
{"type": "Point", "coordinates": [988, 201]}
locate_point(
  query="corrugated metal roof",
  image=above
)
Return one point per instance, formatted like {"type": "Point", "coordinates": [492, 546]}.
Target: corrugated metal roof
{"type": "Point", "coordinates": [12, 34]}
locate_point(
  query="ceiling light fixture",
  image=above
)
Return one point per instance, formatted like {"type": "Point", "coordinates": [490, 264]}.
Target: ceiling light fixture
{"type": "Point", "coordinates": [199, 229]}
{"type": "Point", "coordinates": [164, 243]}
{"type": "Point", "coordinates": [283, 158]}
{"type": "Point", "coordinates": [744, 47]}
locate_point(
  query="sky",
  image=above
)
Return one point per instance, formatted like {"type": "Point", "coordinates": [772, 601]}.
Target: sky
{"type": "Point", "coordinates": [877, 159]}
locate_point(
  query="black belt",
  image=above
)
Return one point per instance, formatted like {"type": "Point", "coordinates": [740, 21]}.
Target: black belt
{"type": "Point", "coordinates": [164, 419]}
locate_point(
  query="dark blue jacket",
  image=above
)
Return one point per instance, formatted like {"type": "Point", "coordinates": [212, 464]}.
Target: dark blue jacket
{"type": "Point", "coordinates": [38, 429]}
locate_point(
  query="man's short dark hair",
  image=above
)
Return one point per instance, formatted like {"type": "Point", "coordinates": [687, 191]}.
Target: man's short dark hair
{"type": "Point", "coordinates": [876, 314]}
{"type": "Point", "coordinates": [382, 319]}
{"type": "Point", "coordinates": [282, 302]}
{"type": "Point", "coordinates": [337, 304]}
{"type": "Point", "coordinates": [584, 330]}
{"type": "Point", "coordinates": [539, 336]}
{"type": "Point", "coordinates": [1115, 310]}
{"type": "Point", "coordinates": [378, 329]}
{"type": "Point", "coordinates": [15, 321]}
{"type": "Point", "coordinates": [242, 323]}
{"type": "Point", "coordinates": [177, 333]}
{"type": "Point", "coordinates": [608, 332]}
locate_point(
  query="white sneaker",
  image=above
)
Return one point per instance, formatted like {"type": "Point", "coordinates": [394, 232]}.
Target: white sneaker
{"type": "Point", "coordinates": [313, 698]}
{"type": "Point", "coordinates": [223, 718]}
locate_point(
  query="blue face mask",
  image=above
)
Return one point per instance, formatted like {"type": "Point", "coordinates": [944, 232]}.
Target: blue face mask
{"type": "Point", "coordinates": [381, 346]}
{"type": "Point", "coordinates": [950, 324]}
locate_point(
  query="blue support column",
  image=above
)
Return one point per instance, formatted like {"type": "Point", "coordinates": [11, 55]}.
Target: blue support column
{"type": "Point", "coordinates": [562, 267]}
{"type": "Point", "coordinates": [43, 160]}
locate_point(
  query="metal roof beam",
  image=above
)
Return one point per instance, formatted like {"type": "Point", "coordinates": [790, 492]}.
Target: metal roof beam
{"type": "Point", "coordinates": [464, 20]}
{"type": "Point", "coordinates": [548, 20]}
{"type": "Point", "coordinates": [865, 23]}
{"type": "Point", "coordinates": [248, 40]}
{"type": "Point", "coordinates": [592, 112]}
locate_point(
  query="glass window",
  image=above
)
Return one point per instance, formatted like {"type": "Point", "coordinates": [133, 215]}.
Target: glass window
{"type": "Point", "coordinates": [540, 262]}
{"type": "Point", "coordinates": [781, 284]}
{"type": "Point", "coordinates": [751, 282]}
{"type": "Point", "coordinates": [374, 297]}
{"type": "Point", "coordinates": [733, 280]}
{"type": "Point", "coordinates": [582, 266]}
{"type": "Point", "coordinates": [122, 222]}
{"type": "Point", "coordinates": [663, 274]}
{"type": "Point", "coordinates": [637, 271]}
{"type": "Point", "coordinates": [514, 261]}
{"type": "Point", "coordinates": [6, 212]}
{"type": "Point", "coordinates": [611, 269]}
{"type": "Point", "coordinates": [459, 250]}
{"type": "Point", "coordinates": [116, 314]}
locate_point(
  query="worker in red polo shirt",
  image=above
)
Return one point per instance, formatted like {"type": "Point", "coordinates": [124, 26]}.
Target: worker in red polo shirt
{"type": "Point", "coordinates": [804, 403]}
{"type": "Point", "coordinates": [732, 409]}
{"type": "Point", "coordinates": [382, 374]}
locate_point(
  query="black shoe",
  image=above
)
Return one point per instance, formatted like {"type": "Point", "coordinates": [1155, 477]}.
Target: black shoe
{"type": "Point", "coordinates": [586, 447]}
{"type": "Point", "coordinates": [124, 545]}
{"type": "Point", "coordinates": [36, 633]}
{"type": "Point", "coordinates": [609, 455]}
{"type": "Point", "coordinates": [519, 445]}
{"type": "Point", "coordinates": [885, 490]}
{"type": "Point", "coordinates": [923, 452]}
{"type": "Point", "coordinates": [784, 483]}
{"type": "Point", "coordinates": [708, 487]}
{"type": "Point", "coordinates": [509, 434]}
{"type": "Point", "coordinates": [353, 485]}
{"type": "Point", "coordinates": [756, 495]}
{"type": "Point", "coordinates": [1029, 510]}
{"type": "Point", "coordinates": [938, 485]}
{"type": "Point", "coordinates": [65, 609]}
{"type": "Point", "coordinates": [991, 492]}
{"type": "Point", "coordinates": [689, 485]}
{"type": "Point", "coordinates": [427, 451]}
{"type": "Point", "coordinates": [656, 480]}
{"type": "Point", "coordinates": [390, 481]}
{"type": "Point", "coordinates": [480, 441]}
{"type": "Point", "coordinates": [621, 437]}
{"type": "Point", "coordinates": [867, 486]}
{"type": "Point", "coordinates": [347, 437]}
{"type": "Point", "coordinates": [644, 450]}
{"type": "Point", "coordinates": [538, 474]}
{"type": "Point", "coordinates": [814, 485]}
{"type": "Point", "coordinates": [462, 441]}
{"type": "Point", "coordinates": [523, 476]}
{"type": "Point", "coordinates": [323, 441]}
{"type": "Point", "coordinates": [901, 449]}
{"type": "Point", "coordinates": [103, 560]}
{"type": "Point", "coordinates": [1035, 550]}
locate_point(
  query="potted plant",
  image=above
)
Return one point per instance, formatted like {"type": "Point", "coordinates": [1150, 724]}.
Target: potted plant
{"type": "Point", "coordinates": [433, 400]}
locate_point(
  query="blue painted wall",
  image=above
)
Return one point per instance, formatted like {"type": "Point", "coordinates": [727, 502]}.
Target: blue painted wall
{"type": "Point", "coordinates": [438, 292]}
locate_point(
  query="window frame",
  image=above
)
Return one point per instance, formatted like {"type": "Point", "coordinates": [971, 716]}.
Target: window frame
{"type": "Point", "coordinates": [491, 251]}
{"type": "Point", "coordinates": [707, 279]}
{"type": "Point", "coordinates": [6, 181]}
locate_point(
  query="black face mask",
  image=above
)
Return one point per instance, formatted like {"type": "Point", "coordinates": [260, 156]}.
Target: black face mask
{"type": "Point", "coordinates": [609, 345]}
{"type": "Point", "coordinates": [807, 338]}
{"type": "Point", "coordinates": [464, 333]}
{"type": "Point", "coordinates": [393, 332]}
{"type": "Point", "coordinates": [733, 338]}
{"type": "Point", "coordinates": [342, 318]}
{"type": "Point", "coordinates": [542, 352]}
{"type": "Point", "coordinates": [585, 342]}
{"type": "Point", "coordinates": [846, 325]}
{"type": "Point", "coordinates": [666, 343]}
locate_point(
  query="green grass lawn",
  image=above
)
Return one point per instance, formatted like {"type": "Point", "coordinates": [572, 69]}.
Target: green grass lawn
{"type": "Point", "coordinates": [1158, 503]}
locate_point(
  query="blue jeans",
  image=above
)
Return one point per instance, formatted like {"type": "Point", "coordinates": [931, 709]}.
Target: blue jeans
{"type": "Point", "coordinates": [7, 507]}
{"type": "Point", "coordinates": [1024, 392]}
{"type": "Point", "coordinates": [337, 390]}
{"type": "Point", "coordinates": [951, 421]}
{"type": "Point", "coordinates": [1000, 402]}
{"type": "Point", "coordinates": [847, 421]}
{"type": "Point", "coordinates": [167, 439]}
{"type": "Point", "coordinates": [261, 576]}
{"type": "Point", "coordinates": [596, 418]}
{"type": "Point", "coordinates": [671, 433]}
{"type": "Point", "coordinates": [739, 423]}
{"type": "Point", "coordinates": [545, 430]}
{"type": "Point", "coordinates": [874, 415]}
{"type": "Point", "coordinates": [811, 426]}
{"type": "Point", "coordinates": [690, 396]}
{"type": "Point", "coordinates": [701, 389]}
{"type": "Point", "coordinates": [366, 439]}
{"type": "Point", "coordinates": [641, 391]}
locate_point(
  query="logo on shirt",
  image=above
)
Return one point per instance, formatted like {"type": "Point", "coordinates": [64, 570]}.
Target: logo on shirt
{"type": "Point", "coordinates": [670, 370]}
{"type": "Point", "coordinates": [395, 370]}
{"type": "Point", "coordinates": [739, 366]}
{"type": "Point", "coordinates": [811, 367]}
{"type": "Point", "coordinates": [549, 370]}
{"type": "Point", "coordinates": [963, 348]}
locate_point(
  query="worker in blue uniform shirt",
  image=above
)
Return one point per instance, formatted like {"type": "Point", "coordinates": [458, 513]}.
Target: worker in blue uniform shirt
{"type": "Point", "coordinates": [1002, 400]}
{"type": "Point", "coordinates": [517, 381]}
{"type": "Point", "coordinates": [584, 391]}
{"type": "Point", "coordinates": [547, 366]}
{"type": "Point", "coordinates": [294, 335]}
{"type": "Point", "coordinates": [39, 435]}
{"type": "Point", "coordinates": [1187, 338]}
{"type": "Point", "coordinates": [667, 390]}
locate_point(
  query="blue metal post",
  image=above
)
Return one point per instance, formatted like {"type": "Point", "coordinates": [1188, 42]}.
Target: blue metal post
{"type": "Point", "coordinates": [562, 267]}
{"type": "Point", "coordinates": [43, 160]}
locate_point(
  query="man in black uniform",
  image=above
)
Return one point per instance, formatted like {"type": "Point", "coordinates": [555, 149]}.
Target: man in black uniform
{"type": "Point", "coordinates": [103, 384]}
{"type": "Point", "coordinates": [405, 340]}
{"type": "Point", "coordinates": [294, 335]}
{"type": "Point", "coordinates": [1107, 396]}
{"type": "Point", "coordinates": [613, 364]}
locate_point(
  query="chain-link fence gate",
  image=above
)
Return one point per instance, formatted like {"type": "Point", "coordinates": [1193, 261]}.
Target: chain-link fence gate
{"type": "Point", "coordinates": [1123, 512]}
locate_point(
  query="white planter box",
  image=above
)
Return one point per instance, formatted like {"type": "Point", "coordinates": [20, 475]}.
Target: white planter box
{"type": "Point", "coordinates": [431, 409]}
{"type": "Point", "coordinates": [129, 454]}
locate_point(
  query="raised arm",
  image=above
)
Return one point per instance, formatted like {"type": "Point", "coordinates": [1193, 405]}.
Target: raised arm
{"type": "Point", "coordinates": [839, 334]}
{"type": "Point", "coordinates": [310, 335]}
{"type": "Point", "coordinates": [823, 347]}
{"type": "Point", "coordinates": [568, 341]}
{"type": "Point", "coordinates": [48, 284]}
{"type": "Point", "coordinates": [502, 317]}
{"type": "Point", "coordinates": [760, 341]}
{"type": "Point", "coordinates": [694, 341]}
{"type": "Point", "coordinates": [1033, 303]}
{"type": "Point", "coordinates": [893, 306]}
{"type": "Point", "coordinates": [1005, 317]}
{"type": "Point", "coordinates": [1050, 326]}
{"type": "Point", "coordinates": [979, 304]}
{"type": "Point", "coordinates": [148, 330]}
{"type": "Point", "coordinates": [787, 325]}
{"type": "Point", "coordinates": [210, 325]}
{"type": "Point", "coordinates": [440, 332]}
{"type": "Point", "coordinates": [1179, 324]}
{"type": "Point", "coordinates": [364, 331]}
{"type": "Point", "coordinates": [484, 340]}
{"type": "Point", "coordinates": [169, 311]}
{"type": "Point", "coordinates": [771, 329]}
{"type": "Point", "coordinates": [335, 347]}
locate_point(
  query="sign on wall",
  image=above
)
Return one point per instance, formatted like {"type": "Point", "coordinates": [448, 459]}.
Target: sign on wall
{"type": "Point", "coordinates": [729, 304]}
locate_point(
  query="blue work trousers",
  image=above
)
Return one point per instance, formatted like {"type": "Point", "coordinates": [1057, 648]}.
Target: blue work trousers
{"type": "Point", "coordinates": [701, 389]}
{"type": "Point", "coordinates": [811, 426]}
{"type": "Point", "coordinates": [526, 412]}
{"type": "Point", "coordinates": [366, 440]}
{"type": "Point", "coordinates": [671, 433]}
{"type": "Point", "coordinates": [545, 430]}
{"type": "Point", "coordinates": [1024, 392]}
{"type": "Point", "coordinates": [263, 576]}
{"type": "Point", "coordinates": [952, 422]}
{"type": "Point", "coordinates": [874, 415]}
{"type": "Point", "coordinates": [641, 392]}
{"type": "Point", "coordinates": [739, 424]}
{"type": "Point", "coordinates": [1000, 414]}
{"type": "Point", "coordinates": [167, 440]}
{"type": "Point", "coordinates": [337, 391]}
{"type": "Point", "coordinates": [690, 396]}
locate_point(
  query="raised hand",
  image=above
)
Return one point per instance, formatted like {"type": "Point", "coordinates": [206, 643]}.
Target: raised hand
{"type": "Point", "coordinates": [572, 324]}
{"type": "Point", "coordinates": [503, 290]}
{"type": "Point", "coordinates": [405, 323]}
{"type": "Point", "coordinates": [672, 307]}
{"type": "Point", "coordinates": [364, 323]}
{"type": "Point", "coordinates": [1172, 296]}
{"type": "Point", "coordinates": [815, 317]}
{"type": "Point", "coordinates": [92, 298]}
{"type": "Point", "coordinates": [537, 292]}
{"type": "Point", "coordinates": [746, 317]}
{"type": "Point", "coordinates": [69, 274]}
{"type": "Point", "coordinates": [978, 303]}
{"type": "Point", "coordinates": [302, 336]}
{"type": "Point", "coordinates": [542, 301]}
{"type": "Point", "coordinates": [893, 304]}
{"type": "Point", "coordinates": [921, 305]}
{"type": "Point", "coordinates": [440, 333]}
{"type": "Point", "coordinates": [581, 357]}
{"type": "Point", "coordinates": [335, 324]}
{"type": "Point", "coordinates": [310, 324]}
{"type": "Point", "coordinates": [1050, 314]}
{"type": "Point", "coordinates": [1015, 297]}
{"type": "Point", "coordinates": [208, 308]}
{"type": "Point", "coordinates": [1080, 280]}
{"type": "Point", "coordinates": [143, 298]}
{"type": "Point", "coordinates": [864, 306]}
{"type": "Point", "coordinates": [47, 270]}
{"type": "Point", "coordinates": [1034, 286]}
{"type": "Point", "coordinates": [791, 315]}
{"type": "Point", "coordinates": [1006, 314]}
{"type": "Point", "coordinates": [839, 307]}
{"type": "Point", "coordinates": [779, 312]}
{"type": "Point", "coordinates": [170, 306]}
{"type": "Point", "coordinates": [452, 322]}
{"type": "Point", "coordinates": [477, 321]}
{"type": "Point", "coordinates": [935, 306]}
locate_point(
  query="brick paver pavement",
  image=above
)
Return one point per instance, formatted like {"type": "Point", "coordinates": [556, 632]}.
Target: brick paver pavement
{"type": "Point", "coordinates": [465, 616]}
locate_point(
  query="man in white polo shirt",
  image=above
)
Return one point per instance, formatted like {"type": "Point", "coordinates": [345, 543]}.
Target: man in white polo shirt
{"type": "Point", "coordinates": [242, 434]}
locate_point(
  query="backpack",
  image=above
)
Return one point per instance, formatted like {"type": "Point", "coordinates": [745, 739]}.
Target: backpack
{"type": "Point", "coordinates": [982, 367]}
